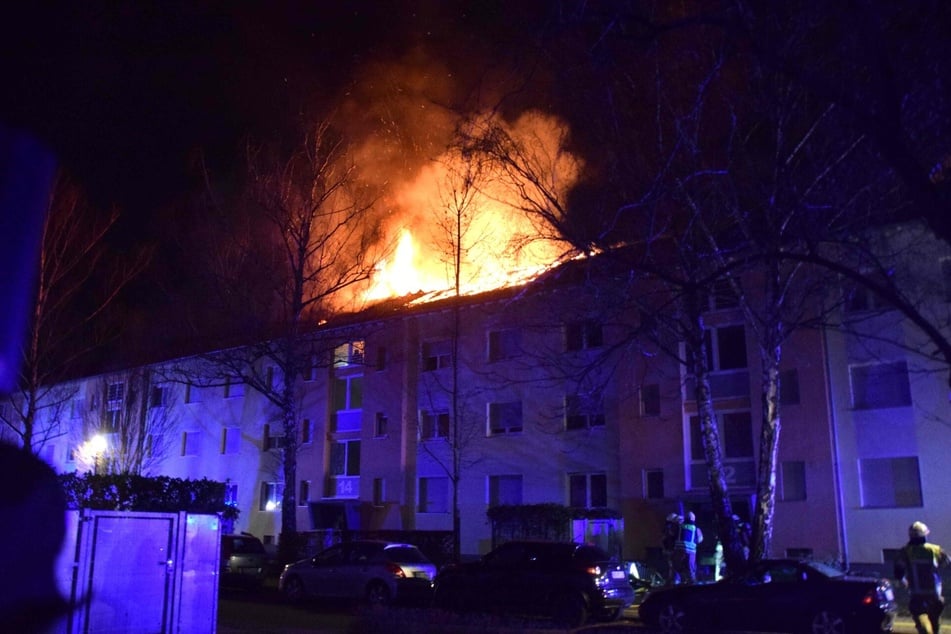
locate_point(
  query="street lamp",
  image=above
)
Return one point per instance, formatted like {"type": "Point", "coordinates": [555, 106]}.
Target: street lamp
{"type": "Point", "coordinates": [97, 446]}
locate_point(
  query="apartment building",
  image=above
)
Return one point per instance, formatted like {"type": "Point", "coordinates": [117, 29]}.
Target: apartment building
{"type": "Point", "coordinates": [537, 394]}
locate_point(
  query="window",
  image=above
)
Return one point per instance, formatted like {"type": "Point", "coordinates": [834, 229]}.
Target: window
{"type": "Point", "coordinates": [434, 495]}
{"type": "Point", "coordinates": [650, 400]}
{"type": "Point", "coordinates": [347, 402]}
{"type": "Point", "coordinates": [793, 483]}
{"type": "Point", "coordinates": [272, 438]}
{"type": "Point", "coordinates": [303, 493]}
{"type": "Point", "coordinates": [114, 395]}
{"type": "Point", "coordinates": [505, 489]}
{"type": "Point", "coordinates": [350, 353]}
{"type": "Point", "coordinates": [272, 495]}
{"type": "Point", "coordinates": [193, 394]}
{"type": "Point", "coordinates": [505, 418]}
{"type": "Point", "coordinates": [726, 361]}
{"type": "Point", "coordinates": [310, 371]}
{"type": "Point", "coordinates": [583, 411]}
{"type": "Point", "coordinates": [379, 492]}
{"type": "Point", "coordinates": [890, 482]}
{"type": "Point", "coordinates": [436, 355]}
{"type": "Point", "coordinates": [230, 440]}
{"type": "Point", "coordinates": [504, 344]}
{"type": "Point", "coordinates": [381, 358]}
{"type": "Point", "coordinates": [345, 458]}
{"type": "Point", "coordinates": [234, 388]}
{"type": "Point", "coordinates": [581, 335]}
{"type": "Point", "coordinates": [160, 396]}
{"type": "Point", "coordinates": [789, 387]}
{"type": "Point", "coordinates": [588, 490]}
{"type": "Point", "coordinates": [380, 424]}
{"type": "Point", "coordinates": [191, 443]}
{"type": "Point", "coordinates": [880, 385]}
{"type": "Point", "coordinates": [654, 484]}
{"type": "Point", "coordinates": [858, 298]}
{"type": "Point", "coordinates": [736, 438]}
{"type": "Point", "coordinates": [433, 425]}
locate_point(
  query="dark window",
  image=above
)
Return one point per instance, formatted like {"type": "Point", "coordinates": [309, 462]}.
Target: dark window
{"type": "Point", "coordinates": [654, 483]}
{"type": "Point", "coordinates": [650, 400]}
{"type": "Point", "coordinates": [789, 387]}
{"type": "Point", "coordinates": [880, 385]}
{"type": "Point", "coordinates": [583, 334]}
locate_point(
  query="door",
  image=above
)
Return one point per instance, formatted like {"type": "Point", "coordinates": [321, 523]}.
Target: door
{"type": "Point", "coordinates": [125, 572]}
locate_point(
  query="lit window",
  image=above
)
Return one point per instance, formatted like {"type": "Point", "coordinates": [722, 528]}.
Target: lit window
{"type": "Point", "coordinates": [272, 495]}
{"type": "Point", "coordinates": [505, 344]}
{"type": "Point", "coordinates": [433, 425]}
{"type": "Point", "coordinates": [880, 385]}
{"type": "Point", "coordinates": [505, 418]}
{"type": "Point", "coordinates": [505, 489]}
{"type": "Point", "coordinates": [587, 490]}
{"type": "Point", "coordinates": [890, 482]}
{"type": "Point", "coordinates": [434, 495]}
{"type": "Point", "coordinates": [583, 411]}
{"type": "Point", "coordinates": [436, 355]}
{"type": "Point", "coordinates": [581, 335]}
{"type": "Point", "coordinates": [350, 353]}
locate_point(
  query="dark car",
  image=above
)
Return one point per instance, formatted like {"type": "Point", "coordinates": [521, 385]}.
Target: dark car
{"type": "Point", "coordinates": [776, 595]}
{"type": "Point", "coordinates": [243, 560]}
{"type": "Point", "coordinates": [565, 581]}
{"type": "Point", "coordinates": [378, 572]}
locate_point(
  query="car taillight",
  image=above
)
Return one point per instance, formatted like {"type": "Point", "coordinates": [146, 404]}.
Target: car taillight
{"type": "Point", "coordinates": [395, 570]}
{"type": "Point", "coordinates": [870, 598]}
{"type": "Point", "coordinates": [594, 571]}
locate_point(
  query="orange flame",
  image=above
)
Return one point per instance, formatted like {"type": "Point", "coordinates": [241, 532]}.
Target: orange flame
{"type": "Point", "coordinates": [497, 243]}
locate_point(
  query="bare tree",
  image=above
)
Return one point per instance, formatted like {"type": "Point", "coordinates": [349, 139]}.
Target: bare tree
{"type": "Point", "coordinates": [127, 424]}
{"type": "Point", "coordinates": [282, 263]}
{"type": "Point", "coordinates": [78, 280]}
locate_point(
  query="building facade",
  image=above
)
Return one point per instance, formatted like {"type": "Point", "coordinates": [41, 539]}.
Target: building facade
{"type": "Point", "coordinates": [534, 395]}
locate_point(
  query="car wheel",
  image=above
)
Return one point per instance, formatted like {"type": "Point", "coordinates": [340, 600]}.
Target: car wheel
{"type": "Point", "coordinates": [827, 621]}
{"type": "Point", "coordinates": [672, 618]}
{"type": "Point", "coordinates": [377, 594]}
{"type": "Point", "coordinates": [571, 610]}
{"type": "Point", "coordinates": [294, 589]}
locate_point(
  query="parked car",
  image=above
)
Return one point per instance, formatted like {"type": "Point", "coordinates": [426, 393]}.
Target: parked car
{"type": "Point", "coordinates": [374, 571]}
{"type": "Point", "coordinates": [643, 578]}
{"type": "Point", "coordinates": [243, 560]}
{"type": "Point", "coordinates": [776, 595]}
{"type": "Point", "coordinates": [565, 581]}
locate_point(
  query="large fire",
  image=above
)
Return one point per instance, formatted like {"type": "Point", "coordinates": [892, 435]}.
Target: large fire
{"type": "Point", "coordinates": [459, 227]}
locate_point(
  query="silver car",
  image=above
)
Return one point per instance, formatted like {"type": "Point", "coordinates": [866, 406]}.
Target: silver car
{"type": "Point", "coordinates": [377, 572]}
{"type": "Point", "coordinates": [243, 560]}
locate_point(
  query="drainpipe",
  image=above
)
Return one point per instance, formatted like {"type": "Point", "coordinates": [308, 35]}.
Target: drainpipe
{"type": "Point", "coordinates": [836, 463]}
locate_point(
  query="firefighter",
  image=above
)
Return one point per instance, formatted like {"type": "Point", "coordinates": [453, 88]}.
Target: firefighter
{"type": "Point", "coordinates": [668, 539]}
{"type": "Point", "coordinates": [685, 549]}
{"type": "Point", "coordinates": [917, 568]}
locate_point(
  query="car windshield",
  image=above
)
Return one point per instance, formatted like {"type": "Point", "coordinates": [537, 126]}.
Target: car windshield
{"type": "Point", "coordinates": [406, 555]}
{"type": "Point", "coordinates": [247, 546]}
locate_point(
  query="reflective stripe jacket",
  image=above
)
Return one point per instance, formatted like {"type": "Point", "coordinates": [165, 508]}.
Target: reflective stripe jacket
{"type": "Point", "coordinates": [690, 536]}
{"type": "Point", "coordinates": [918, 564]}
